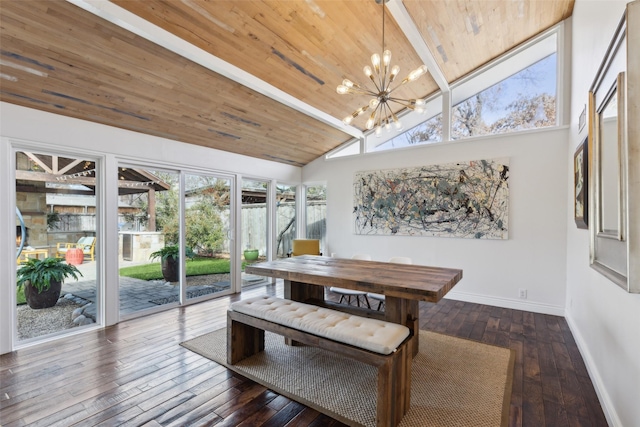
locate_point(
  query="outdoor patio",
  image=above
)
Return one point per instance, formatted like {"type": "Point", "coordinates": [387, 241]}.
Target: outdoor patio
{"type": "Point", "coordinates": [137, 294]}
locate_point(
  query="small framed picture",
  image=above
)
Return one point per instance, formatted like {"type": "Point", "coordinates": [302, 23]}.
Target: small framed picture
{"type": "Point", "coordinates": [581, 183]}
{"type": "Point", "coordinates": [582, 120]}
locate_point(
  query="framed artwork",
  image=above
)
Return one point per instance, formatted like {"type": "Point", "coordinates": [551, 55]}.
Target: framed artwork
{"type": "Point", "coordinates": [614, 151]}
{"type": "Point", "coordinates": [464, 200]}
{"type": "Point", "coordinates": [580, 185]}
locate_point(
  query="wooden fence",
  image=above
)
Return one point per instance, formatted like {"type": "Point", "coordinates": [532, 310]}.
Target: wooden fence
{"type": "Point", "coordinates": [254, 225]}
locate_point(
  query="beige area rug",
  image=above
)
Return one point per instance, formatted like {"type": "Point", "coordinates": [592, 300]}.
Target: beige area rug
{"type": "Point", "coordinates": [455, 382]}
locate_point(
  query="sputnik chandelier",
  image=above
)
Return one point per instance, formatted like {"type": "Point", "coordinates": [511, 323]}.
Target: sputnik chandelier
{"type": "Point", "coordinates": [382, 114]}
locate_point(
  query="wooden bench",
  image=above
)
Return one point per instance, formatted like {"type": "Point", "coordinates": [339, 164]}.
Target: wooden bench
{"type": "Point", "coordinates": [247, 321]}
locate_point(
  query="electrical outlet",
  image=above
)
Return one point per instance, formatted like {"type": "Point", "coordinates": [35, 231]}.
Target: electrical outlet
{"type": "Point", "coordinates": [522, 293]}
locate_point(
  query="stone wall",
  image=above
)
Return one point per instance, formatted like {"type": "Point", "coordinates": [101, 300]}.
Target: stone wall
{"type": "Point", "coordinates": [143, 243]}
{"type": "Point", "coordinates": [33, 207]}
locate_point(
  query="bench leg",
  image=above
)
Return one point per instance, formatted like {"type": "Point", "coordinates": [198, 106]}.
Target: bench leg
{"type": "Point", "coordinates": [394, 388]}
{"type": "Point", "coordinates": [242, 341]}
{"type": "Point", "coordinates": [404, 312]}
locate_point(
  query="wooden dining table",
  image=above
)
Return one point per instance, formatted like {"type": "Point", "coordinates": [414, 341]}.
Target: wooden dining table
{"type": "Point", "coordinates": [404, 285]}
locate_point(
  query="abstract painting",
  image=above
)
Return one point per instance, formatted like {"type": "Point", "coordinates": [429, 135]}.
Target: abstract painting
{"type": "Point", "coordinates": [467, 199]}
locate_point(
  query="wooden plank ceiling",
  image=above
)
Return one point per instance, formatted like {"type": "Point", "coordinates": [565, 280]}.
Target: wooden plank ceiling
{"type": "Point", "coordinates": [60, 58]}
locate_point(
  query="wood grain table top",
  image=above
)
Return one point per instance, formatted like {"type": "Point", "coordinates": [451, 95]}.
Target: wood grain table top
{"type": "Point", "coordinates": [410, 281]}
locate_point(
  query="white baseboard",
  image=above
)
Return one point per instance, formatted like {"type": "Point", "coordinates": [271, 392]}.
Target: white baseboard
{"type": "Point", "coordinates": [605, 401]}
{"type": "Point", "coordinates": [534, 307]}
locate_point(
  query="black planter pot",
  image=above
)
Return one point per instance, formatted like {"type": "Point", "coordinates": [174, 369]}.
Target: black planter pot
{"type": "Point", "coordinates": [170, 269]}
{"type": "Point", "coordinates": [45, 299]}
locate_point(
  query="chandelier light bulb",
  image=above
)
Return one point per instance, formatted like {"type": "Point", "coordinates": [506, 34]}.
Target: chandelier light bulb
{"type": "Point", "coordinates": [371, 121]}
{"type": "Point", "coordinates": [394, 72]}
{"type": "Point", "coordinates": [375, 61]}
{"type": "Point", "coordinates": [386, 57]}
{"type": "Point", "coordinates": [379, 90]}
{"type": "Point", "coordinates": [415, 74]}
{"type": "Point", "coordinates": [342, 89]}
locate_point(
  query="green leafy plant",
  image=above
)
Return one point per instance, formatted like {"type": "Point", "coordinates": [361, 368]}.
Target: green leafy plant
{"type": "Point", "coordinates": [40, 273]}
{"type": "Point", "coordinates": [170, 252]}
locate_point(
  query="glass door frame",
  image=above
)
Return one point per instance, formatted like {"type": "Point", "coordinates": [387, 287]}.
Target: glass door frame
{"type": "Point", "coordinates": [235, 264]}
{"type": "Point", "coordinates": [270, 206]}
{"type": "Point", "coordinates": [183, 170]}
{"type": "Point", "coordinates": [170, 169]}
{"type": "Point", "coordinates": [16, 146]}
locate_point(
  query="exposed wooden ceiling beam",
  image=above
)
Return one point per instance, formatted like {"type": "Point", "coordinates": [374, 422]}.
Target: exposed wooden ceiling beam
{"type": "Point", "coordinates": [406, 24]}
{"type": "Point", "coordinates": [408, 27]}
{"type": "Point", "coordinates": [31, 189]}
{"type": "Point", "coordinates": [80, 180]}
{"type": "Point", "coordinates": [131, 22]}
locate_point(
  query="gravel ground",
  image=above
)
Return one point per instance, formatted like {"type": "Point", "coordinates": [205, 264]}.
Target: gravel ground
{"type": "Point", "coordinates": [207, 279]}
{"type": "Point", "coordinates": [34, 323]}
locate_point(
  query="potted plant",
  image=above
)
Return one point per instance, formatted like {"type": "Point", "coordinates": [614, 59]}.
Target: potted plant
{"type": "Point", "coordinates": [251, 254]}
{"type": "Point", "coordinates": [42, 280]}
{"type": "Point", "coordinates": [170, 261]}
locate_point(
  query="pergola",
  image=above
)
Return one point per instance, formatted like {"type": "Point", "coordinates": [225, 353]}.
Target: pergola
{"type": "Point", "coordinates": [82, 173]}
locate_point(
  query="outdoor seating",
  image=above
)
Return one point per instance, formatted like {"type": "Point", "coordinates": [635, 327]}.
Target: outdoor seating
{"type": "Point", "coordinates": [29, 252]}
{"type": "Point", "coordinates": [87, 244]}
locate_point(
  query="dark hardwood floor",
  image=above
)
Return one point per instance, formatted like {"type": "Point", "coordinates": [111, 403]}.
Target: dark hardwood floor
{"type": "Point", "coordinates": [136, 373]}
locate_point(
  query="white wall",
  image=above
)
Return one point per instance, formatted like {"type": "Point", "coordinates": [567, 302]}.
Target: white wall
{"type": "Point", "coordinates": [604, 319]}
{"type": "Point", "coordinates": [534, 256]}
{"type": "Point", "coordinates": [60, 134]}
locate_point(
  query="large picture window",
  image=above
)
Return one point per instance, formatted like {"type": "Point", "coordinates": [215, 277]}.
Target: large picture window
{"type": "Point", "coordinates": [316, 212]}
{"type": "Point", "coordinates": [525, 100]}
{"type": "Point", "coordinates": [516, 92]}
{"type": "Point", "coordinates": [285, 218]}
{"type": "Point", "coordinates": [425, 133]}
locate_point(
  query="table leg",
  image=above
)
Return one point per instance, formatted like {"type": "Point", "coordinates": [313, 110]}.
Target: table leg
{"type": "Point", "coordinates": [405, 312]}
{"type": "Point", "coordinates": [298, 291]}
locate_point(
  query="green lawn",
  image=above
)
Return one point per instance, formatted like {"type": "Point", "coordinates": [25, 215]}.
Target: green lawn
{"type": "Point", "coordinates": [20, 296]}
{"type": "Point", "coordinates": [195, 267]}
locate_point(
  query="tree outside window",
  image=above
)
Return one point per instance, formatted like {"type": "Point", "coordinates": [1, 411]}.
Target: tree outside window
{"type": "Point", "coordinates": [526, 100]}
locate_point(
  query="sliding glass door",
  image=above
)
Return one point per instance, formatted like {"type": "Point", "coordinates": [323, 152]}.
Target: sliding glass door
{"type": "Point", "coordinates": [57, 219]}
{"type": "Point", "coordinates": [148, 238]}
{"type": "Point", "coordinates": [315, 213]}
{"type": "Point", "coordinates": [285, 218]}
{"type": "Point", "coordinates": [255, 227]}
{"type": "Point", "coordinates": [174, 229]}
{"type": "Point", "coordinates": [207, 210]}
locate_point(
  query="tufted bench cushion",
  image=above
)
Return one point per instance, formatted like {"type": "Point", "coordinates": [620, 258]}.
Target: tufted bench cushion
{"type": "Point", "coordinates": [370, 334]}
